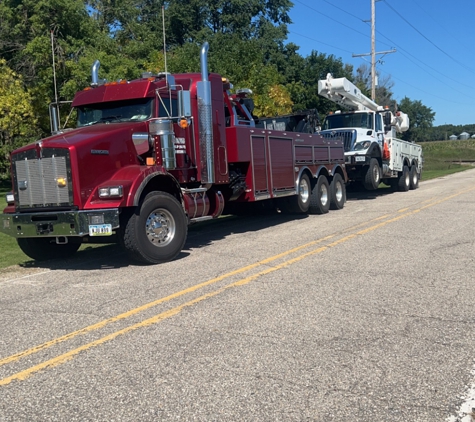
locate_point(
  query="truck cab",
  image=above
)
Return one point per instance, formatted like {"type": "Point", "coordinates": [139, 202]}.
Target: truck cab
{"type": "Point", "coordinates": [368, 131]}
{"type": "Point", "coordinates": [362, 132]}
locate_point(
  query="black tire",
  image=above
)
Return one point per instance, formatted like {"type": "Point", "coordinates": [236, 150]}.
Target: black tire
{"type": "Point", "coordinates": [404, 181]}
{"type": "Point", "coordinates": [414, 178]}
{"type": "Point", "coordinates": [393, 184]}
{"type": "Point", "coordinates": [300, 203]}
{"type": "Point", "coordinates": [320, 196]}
{"type": "Point", "coordinates": [156, 232]}
{"type": "Point", "coordinates": [337, 192]}
{"type": "Point", "coordinates": [45, 248]}
{"type": "Point", "coordinates": [372, 177]}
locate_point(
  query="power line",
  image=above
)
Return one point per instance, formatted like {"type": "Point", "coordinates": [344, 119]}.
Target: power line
{"type": "Point", "coordinates": [426, 38]}
{"type": "Point", "coordinates": [440, 25]}
{"type": "Point", "coordinates": [426, 92]}
{"type": "Point", "coordinates": [414, 59]}
{"type": "Point", "coordinates": [318, 41]}
{"type": "Point", "coordinates": [334, 20]}
{"type": "Point", "coordinates": [393, 44]}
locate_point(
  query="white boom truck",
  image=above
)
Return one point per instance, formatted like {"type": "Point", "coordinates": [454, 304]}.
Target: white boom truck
{"type": "Point", "coordinates": [372, 151]}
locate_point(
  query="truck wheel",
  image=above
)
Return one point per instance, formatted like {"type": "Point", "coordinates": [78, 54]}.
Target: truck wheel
{"type": "Point", "coordinates": [372, 177]}
{"type": "Point", "coordinates": [320, 196]}
{"type": "Point", "coordinates": [414, 177]}
{"type": "Point", "coordinates": [156, 231]}
{"type": "Point", "coordinates": [393, 184]}
{"type": "Point", "coordinates": [404, 180]}
{"type": "Point", "coordinates": [300, 203]}
{"type": "Point", "coordinates": [337, 193]}
{"type": "Point", "coordinates": [44, 248]}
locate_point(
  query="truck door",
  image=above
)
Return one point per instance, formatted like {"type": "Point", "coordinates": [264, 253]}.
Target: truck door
{"type": "Point", "coordinates": [259, 166]}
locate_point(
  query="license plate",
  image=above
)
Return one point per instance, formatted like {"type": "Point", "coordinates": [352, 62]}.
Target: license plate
{"type": "Point", "coordinates": [100, 230]}
{"type": "Point", "coordinates": [360, 158]}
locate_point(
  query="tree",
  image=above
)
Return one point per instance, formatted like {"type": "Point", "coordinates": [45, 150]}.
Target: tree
{"type": "Point", "coordinates": [304, 84]}
{"type": "Point", "coordinates": [17, 121]}
{"type": "Point", "coordinates": [421, 119]}
{"type": "Point", "coordinates": [25, 43]}
{"type": "Point", "coordinates": [383, 89]}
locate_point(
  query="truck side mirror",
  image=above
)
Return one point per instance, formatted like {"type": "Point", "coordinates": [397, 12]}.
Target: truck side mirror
{"type": "Point", "coordinates": [387, 118]}
{"type": "Point", "coordinates": [184, 103]}
{"type": "Point", "coordinates": [54, 118]}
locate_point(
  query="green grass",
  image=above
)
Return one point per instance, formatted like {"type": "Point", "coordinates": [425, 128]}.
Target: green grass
{"type": "Point", "coordinates": [446, 157]}
{"type": "Point", "coordinates": [10, 253]}
{"type": "Point", "coordinates": [440, 159]}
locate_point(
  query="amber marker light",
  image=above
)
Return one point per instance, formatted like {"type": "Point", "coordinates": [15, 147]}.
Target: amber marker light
{"type": "Point", "coordinates": [61, 182]}
{"type": "Point", "coordinates": [150, 161]}
{"type": "Point", "coordinates": [183, 123]}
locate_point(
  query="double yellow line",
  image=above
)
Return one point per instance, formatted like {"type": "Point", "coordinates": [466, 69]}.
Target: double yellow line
{"type": "Point", "coordinates": [383, 221]}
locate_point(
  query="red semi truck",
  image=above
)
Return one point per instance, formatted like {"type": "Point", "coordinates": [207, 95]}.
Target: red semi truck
{"type": "Point", "coordinates": [150, 156]}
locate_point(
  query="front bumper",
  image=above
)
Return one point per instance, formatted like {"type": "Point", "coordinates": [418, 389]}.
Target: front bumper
{"type": "Point", "coordinates": [65, 223]}
{"type": "Point", "coordinates": [357, 160]}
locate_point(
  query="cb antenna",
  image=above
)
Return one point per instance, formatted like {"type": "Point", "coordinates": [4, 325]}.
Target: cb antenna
{"type": "Point", "coordinates": [164, 44]}
{"type": "Point", "coordinates": [55, 110]}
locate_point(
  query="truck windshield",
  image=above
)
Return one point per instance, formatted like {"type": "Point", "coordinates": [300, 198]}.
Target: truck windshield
{"type": "Point", "coordinates": [357, 120]}
{"type": "Point", "coordinates": [136, 110]}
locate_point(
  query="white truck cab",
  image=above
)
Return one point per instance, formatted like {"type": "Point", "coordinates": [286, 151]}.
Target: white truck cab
{"type": "Point", "coordinates": [372, 151]}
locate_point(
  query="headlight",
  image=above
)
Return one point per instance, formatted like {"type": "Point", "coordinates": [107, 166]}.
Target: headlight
{"type": "Point", "coordinates": [10, 198]}
{"type": "Point", "coordinates": [362, 145]}
{"type": "Point", "coordinates": [111, 192]}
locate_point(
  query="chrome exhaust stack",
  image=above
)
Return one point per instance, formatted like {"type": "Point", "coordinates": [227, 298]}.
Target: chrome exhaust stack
{"type": "Point", "coordinates": [95, 73]}
{"type": "Point", "coordinates": [205, 120]}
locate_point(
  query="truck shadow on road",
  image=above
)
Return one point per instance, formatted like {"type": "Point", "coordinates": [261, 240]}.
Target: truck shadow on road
{"type": "Point", "coordinates": [358, 193]}
{"type": "Point", "coordinates": [112, 256]}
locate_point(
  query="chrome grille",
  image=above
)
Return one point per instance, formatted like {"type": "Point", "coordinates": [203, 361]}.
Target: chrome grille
{"type": "Point", "coordinates": [44, 182]}
{"type": "Point", "coordinates": [347, 136]}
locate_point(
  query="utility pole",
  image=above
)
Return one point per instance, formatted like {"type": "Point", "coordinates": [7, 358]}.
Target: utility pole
{"type": "Point", "coordinates": [373, 50]}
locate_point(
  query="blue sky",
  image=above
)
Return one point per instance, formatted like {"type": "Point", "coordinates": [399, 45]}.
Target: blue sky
{"type": "Point", "coordinates": [435, 43]}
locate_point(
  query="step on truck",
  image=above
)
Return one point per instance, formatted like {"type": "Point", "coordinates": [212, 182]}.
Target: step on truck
{"type": "Point", "coordinates": [372, 151]}
{"type": "Point", "coordinates": [150, 156]}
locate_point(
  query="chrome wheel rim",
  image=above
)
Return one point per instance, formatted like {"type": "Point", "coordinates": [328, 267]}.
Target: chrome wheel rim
{"type": "Point", "coordinates": [376, 174]}
{"type": "Point", "coordinates": [339, 192]}
{"type": "Point", "coordinates": [304, 190]}
{"type": "Point", "coordinates": [323, 195]}
{"type": "Point", "coordinates": [160, 227]}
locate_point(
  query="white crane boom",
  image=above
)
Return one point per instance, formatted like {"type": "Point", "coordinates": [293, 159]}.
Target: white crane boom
{"type": "Point", "coordinates": [342, 91]}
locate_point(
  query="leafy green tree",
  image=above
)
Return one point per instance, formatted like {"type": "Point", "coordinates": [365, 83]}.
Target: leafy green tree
{"type": "Point", "coordinates": [421, 119]}
{"type": "Point", "coordinates": [17, 121]}
{"type": "Point", "coordinates": [304, 86]}
{"type": "Point", "coordinates": [25, 42]}
{"type": "Point", "coordinates": [240, 61]}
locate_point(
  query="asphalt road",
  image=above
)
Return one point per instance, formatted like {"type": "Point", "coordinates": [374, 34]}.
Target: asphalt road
{"type": "Point", "coordinates": [363, 314]}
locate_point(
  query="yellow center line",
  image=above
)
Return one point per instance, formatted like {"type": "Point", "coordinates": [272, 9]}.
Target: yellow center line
{"type": "Point", "coordinates": [101, 324]}
{"type": "Point", "coordinates": [150, 321]}
{"type": "Point", "coordinates": [132, 312]}
{"type": "Point", "coordinates": [174, 311]}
